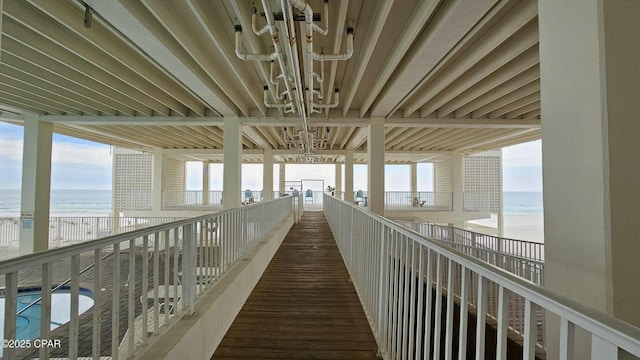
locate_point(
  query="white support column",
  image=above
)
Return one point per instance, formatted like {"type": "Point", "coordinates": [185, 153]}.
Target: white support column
{"type": "Point", "coordinates": [457, 180]}
{"type": "Point", "coordinates": [338, 182]}
{"type": "Point", "coordinates": [232, 150]}
{"type": "Point", "coordinates": [157, 181]}
{"type": "Point", "coordinates": [205, 183]}
{"type": "Point", "coordinates": [375, 173]}
{"type": "Point", "coordinates": [413, 173]}
{"type": "Point", "coordinates": [283, 172]}
{"type": "Point", "coordinates": [267, 175]}
{"type": "Point", "coordinates": [36, 185]}
{"type": "Point", "coordinates": [348, 176]}
{"type": "Point", "coordinates": [590, 112]}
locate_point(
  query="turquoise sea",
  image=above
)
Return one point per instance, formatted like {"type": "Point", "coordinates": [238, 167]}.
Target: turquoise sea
{"type": "Point", "coordinates": [63, 202]}
{"type": "Point", "coordinates": [522, 203]}
{"type": "Point", "coordinates": [96, 202]}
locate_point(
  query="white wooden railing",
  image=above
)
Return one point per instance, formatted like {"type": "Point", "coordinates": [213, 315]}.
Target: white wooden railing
{"type": "Point", "coordinates": [519, 257]}
{"type": "Point", "coordinates": [168, 268]}
{"type": "Point", "coordinates": [67, 230]}
{"type": "Point", "coordinates": [402, 200]}
{"type": "Point", "coordinates": [397, 271]}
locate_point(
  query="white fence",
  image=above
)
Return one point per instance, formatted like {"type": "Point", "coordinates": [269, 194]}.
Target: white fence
{"type": "Point", "coordinates": [519, 257]}
{"type": "Point", "coordinates": [169, 266]}
{"type": "Point", "coordinates": [395, 200]}
{"type": "Point", "coordinates": [401, 278]}
{"type": "Point", "coordinates": [68, 230]}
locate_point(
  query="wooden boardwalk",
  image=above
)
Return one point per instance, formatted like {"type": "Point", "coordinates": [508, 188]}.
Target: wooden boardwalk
{"type": "Point", "coordinates": [304, 306]}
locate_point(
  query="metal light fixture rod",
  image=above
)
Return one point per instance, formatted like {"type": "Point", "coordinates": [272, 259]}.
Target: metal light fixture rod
{"type": "Point", "coordinates": [290, 32]}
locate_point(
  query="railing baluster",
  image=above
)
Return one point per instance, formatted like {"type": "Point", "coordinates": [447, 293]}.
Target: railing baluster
{"type": "Point", "coordinates": [437, 334]}
{"type": "Point", "coordinates": [45, 307]}
{"type": "Point", "coordinates": [10, 311]}
{"type": "Point", "coordinates": [429, 304]}
{"type": "Point", "coordinates": [450, 304]}
{"type": "Point", "coordinates": [97, 300]}
{"type": "Point", "coordinates": [394, 300]}
{"type": "Point", "coordinates": [73, 312]}
{"type": "Point", "coordinates": [412, 297]}
{"type": "Point", "coordinates": [503, 313]}
{"type": "Point", "coordinates": [419, 313]}
{"type": "Point", "coordinates": [567, 339]}
{"type": "Point", "coordinates": [144, 287]}
{"type": "Point", "coordinates": [529, 346]}
{"type": "Point", "coordinates": [481, 317]}
{"type": "Point", "coordinates": [188, 269]}
{"type": "Point", "coordinates": [405, 295]}
{"type": "Point", "coordinates": [131, 313]}
{"type": "Point", "coordinates": [464, 312]}
{"type": "Point", "coordinates": [115, 302]}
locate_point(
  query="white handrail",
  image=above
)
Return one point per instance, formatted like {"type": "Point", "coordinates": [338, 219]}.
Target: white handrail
{"type": "Point", "coordinates": [385, 260]}
{"type": "Point", "coordinates": [66, 230]}
{"type": "Point", "coordinates": [177, 262]}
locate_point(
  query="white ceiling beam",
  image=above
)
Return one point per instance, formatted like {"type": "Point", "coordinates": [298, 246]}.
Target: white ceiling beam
{"type": "Point", "coordinates": [382, 11]}
{"type": "Point", "coordinates": [358, 138]}
{"type": "Point", "coordinates": [498, 25]}
{"type": "Point", "coordinates": [105, 137]}
{"type": "Point", "coordinates": [131, 27]}
{"type": "Point", "coordinates": [419, 17]}
{"type": "Point", "coordinates": [257, 137]}
{"type": "Point", "coordinates": [158, 86]}
{"type": "Point", "coordinates": [451, 25]}
{"type": "Point", "coordinates": [181, 21]}
{"type": "Point", "coordinates": [51, 31]}
{"type": "Point", "coordinates": [523, 110]}
{"type": "Point", "coordinates": [530, 88]}
{"type": "Point", "coordinates": [515, 104]}
{"type": "Point", "coordinates": [293, 121]}
{"type": "Point", "coordinates": [481, 94]}
{"type": "Point", "coordinates": [445, 88]}
{"type": "Point", "coordinates": [497, 139]}
{"type": "Point", "coordinates": [94, 92]}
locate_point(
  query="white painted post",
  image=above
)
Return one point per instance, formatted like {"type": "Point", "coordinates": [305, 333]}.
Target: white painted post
{"type": "Point", "coordinates": [267, 175]}
{"type": "Point", "coordinates": [205, 183]}
{"type": "Point", "coordinates": [338, 181]}
{"type": "Point", "coordinates": [156, 182]}
{"type": "Point", "coordinates": [348, 176]}
{"type": "Point", "coordinates": [232, 153]}
{"type": "Point", "coordinates": [36, 185]}
{"type": "Point", "coordinates": [457, 181]}
{"type": "Point", "coordinates": [589, 79]}
{"type": "Point", "coordinates": [283, 174]}
{"type": "Point", "coordinates": [413, 169]}
{"type": "Point", "coordinates": [375, 170]}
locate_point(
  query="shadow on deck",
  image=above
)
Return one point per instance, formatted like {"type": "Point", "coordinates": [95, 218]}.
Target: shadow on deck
{"type": "Point", "coordinates": [304, 306]}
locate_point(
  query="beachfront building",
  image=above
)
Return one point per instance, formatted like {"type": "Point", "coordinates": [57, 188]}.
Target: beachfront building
{"type": "Point", "coordinates": [358, 81]}
{"type": "Point", "coordinates": [466, 187]}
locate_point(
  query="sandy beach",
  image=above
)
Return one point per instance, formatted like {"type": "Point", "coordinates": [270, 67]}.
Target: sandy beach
{"type": "Point", "coordinates": [519, 227]}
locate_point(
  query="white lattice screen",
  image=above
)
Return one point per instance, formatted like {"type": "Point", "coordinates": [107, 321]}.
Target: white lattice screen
{"type": "Point", "coordinates": [482, 182]}
{"type": "Point", "coordinates": [173, 181]}
{"type": "Point", "coordinates": [442, 181]}
{"type": "Point", "coordinates": [132, 177]}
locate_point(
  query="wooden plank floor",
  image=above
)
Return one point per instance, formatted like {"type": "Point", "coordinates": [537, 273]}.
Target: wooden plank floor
{"type": "Point", "coordinates": [304, 306]}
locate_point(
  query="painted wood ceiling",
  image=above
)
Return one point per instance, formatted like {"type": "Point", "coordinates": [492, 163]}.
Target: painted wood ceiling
{"type": "Point", "coordinates": [448, 75]}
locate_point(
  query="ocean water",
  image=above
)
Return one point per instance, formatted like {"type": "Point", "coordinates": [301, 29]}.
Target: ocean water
{"type": "Point", "coordinates": [522, 203]}
{"type": "Point", "coordinates": [62, 202]}
{"type": "Point", "coordinates": [98, 202]}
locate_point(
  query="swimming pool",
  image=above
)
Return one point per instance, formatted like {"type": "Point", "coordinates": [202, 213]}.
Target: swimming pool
{"type": "Point", "coordinates": [28, 323]}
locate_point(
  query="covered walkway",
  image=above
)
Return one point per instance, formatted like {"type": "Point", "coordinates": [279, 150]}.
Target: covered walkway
{"type": "Point", "coordinates": [304, 306]}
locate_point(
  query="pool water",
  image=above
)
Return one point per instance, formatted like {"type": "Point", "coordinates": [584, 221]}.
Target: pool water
{"type": "Point", "coordinates": [28, 323]}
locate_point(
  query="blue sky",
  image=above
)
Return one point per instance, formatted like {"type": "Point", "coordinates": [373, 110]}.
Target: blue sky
{"type": "Point", "coordinates": [80, 164]}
